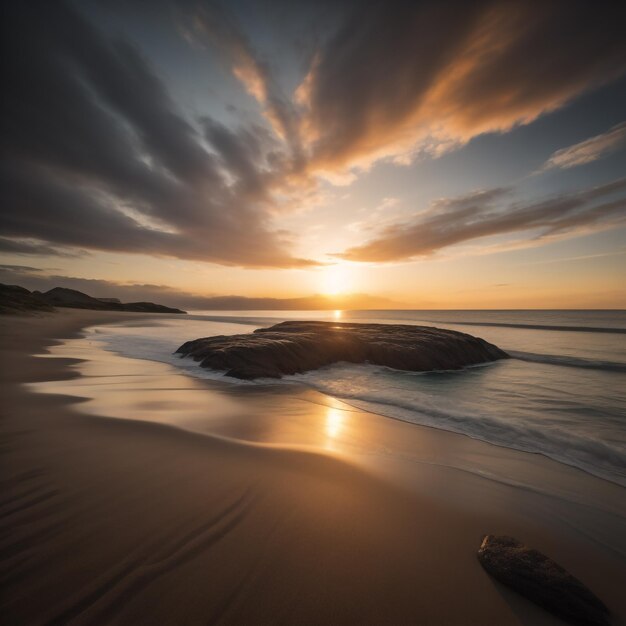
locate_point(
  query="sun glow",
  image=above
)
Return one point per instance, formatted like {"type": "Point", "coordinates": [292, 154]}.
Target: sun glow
{"type": "Point", "coordinates": [335, 280]}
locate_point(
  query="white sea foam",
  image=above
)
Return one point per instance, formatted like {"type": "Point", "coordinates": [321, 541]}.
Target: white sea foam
{"type": "Point", "coordinates": [553, 437]}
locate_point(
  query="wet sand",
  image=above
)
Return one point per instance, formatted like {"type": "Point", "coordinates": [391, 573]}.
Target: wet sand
{"type": "Point", "coordinates": [163, 499]}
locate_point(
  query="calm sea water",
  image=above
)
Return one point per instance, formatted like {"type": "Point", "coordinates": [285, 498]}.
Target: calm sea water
{"type": "Point", "coordinates": [563, 394]}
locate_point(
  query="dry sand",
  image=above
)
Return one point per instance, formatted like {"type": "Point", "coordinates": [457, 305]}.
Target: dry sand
{"type": "Point", "coordinates": [107, 520]}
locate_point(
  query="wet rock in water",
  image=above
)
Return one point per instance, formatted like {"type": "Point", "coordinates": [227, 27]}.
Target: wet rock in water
{"type": "Point", "coordinates": [295, 347]}
{"type": "Point", "coordinates": [541, 580]}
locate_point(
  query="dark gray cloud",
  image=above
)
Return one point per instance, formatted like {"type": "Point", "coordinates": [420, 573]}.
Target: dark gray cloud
{"type": "Point", "coordinates": [96, 155]}
{"type": "Point", "coordinates": [24, 269]}
{"type": "Point", "coordinates": [33, 248]}
{"type": "Point", "coordinates": [451, 221]}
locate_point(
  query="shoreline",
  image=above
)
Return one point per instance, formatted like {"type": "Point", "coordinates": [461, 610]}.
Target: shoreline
{"type": "Point", "coordinates": [292, 395]}
{"type": "Point", "coordinates": [481, 393]}
{"type": "Point", "coordinates": [80, 482]}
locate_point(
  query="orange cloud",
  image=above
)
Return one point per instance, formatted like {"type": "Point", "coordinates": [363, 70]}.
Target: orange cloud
{"type": "Point", "coordinates": [427, 77]}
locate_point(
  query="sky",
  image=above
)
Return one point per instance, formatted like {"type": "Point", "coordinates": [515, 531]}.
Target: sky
{"type": "Point", "coordinates": [327, 153]}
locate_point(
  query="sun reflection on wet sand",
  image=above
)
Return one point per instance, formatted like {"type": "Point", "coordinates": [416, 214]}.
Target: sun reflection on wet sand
{"type": "Point", "coordinates": [334, 425]}
{"type": "Point", "coordinates": [113, 385]}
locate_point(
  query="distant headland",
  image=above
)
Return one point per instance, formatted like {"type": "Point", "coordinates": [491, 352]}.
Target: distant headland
{"type": "Point", "coordinates": [16, 299]}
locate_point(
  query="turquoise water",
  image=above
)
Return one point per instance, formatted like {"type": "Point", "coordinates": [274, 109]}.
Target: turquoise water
{"type": "Point", "coordinates": [563, 394]}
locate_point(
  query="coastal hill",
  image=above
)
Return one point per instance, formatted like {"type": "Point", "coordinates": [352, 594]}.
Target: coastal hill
{"type": "Point", "coordinates": [296, 347]}
{"type": "Point", "coordinates": [15, 299]}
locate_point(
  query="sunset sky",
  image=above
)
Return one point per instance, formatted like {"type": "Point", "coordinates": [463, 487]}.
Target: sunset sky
{"type": "Point", "coordinates": [426, 154]}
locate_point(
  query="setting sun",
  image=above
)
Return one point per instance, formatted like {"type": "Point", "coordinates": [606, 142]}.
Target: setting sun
{"type": "Point", "coordinates": [336, 280]}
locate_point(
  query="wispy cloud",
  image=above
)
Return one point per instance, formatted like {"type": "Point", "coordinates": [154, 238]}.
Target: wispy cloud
{"type": "Point", "coordinates": [589, 150]}
{"type": "Point", "coordinates": [582, 257]}
{"type": "Point", "coordinates": [397, 81]}
{"type": "Point", "coordinates": [23, 269]}
{"type": "Point", "coordinates": [212, 24]}
{"type": "Point", "coordinates": [36, 248]}
{"type": "Point", "coordinates": [452, 221]}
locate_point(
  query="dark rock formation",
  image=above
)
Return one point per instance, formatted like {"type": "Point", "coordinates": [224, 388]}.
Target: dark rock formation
{"type": "Point", "coordinates": [541, 580]}
{"type": "Point", "coordinates": [295, 347]}
{"type": "Point", "coordinates": [14, 299]}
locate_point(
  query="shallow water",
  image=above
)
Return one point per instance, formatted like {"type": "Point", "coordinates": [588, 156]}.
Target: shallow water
{"type": "Point", "coordinates": [563, 395]}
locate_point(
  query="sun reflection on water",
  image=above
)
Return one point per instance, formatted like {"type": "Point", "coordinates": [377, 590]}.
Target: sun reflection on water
{"type": "Point", "coordinates": [337, 314]}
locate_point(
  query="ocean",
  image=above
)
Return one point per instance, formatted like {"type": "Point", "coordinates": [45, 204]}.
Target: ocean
{"type": "Point", "coordinates": [562, 394]}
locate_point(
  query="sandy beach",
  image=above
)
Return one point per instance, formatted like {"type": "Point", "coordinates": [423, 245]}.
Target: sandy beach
{"type": "Point", "coordinates": [285, 507]}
